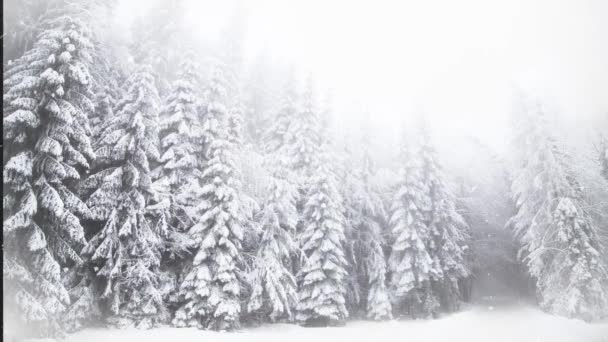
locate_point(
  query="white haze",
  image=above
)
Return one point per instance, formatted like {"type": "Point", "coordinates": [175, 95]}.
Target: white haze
{"type": "Point", "coordinates": [455, 62]}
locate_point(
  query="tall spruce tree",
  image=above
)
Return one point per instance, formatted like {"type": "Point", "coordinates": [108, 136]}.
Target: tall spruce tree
{"type": "Point", "coordinates": [305, 134]}
{"type": "Point", "coordinates": [277, 137]}
{"type": "Point", "coordinates": [180, 134]}
{"type": "Point", "coordinates": [211, 287]}
{"type": "Point", "coordinates": [350, 192]}
{"type": "Point", "coordinates": [321, 280]}
{"type": "Point", "coordinates": [364, 245]}
{"type": "Point", "coordinates": [575, 281]}
{"type": "Point", "coordinates": [557, 237]}
{"type": "Point", "coordinates": [176, 179]}
{"type": "Point", "coordinates": [104, 102]}
{"type": "Point", "coordinates": [125, 252]}
{"type": "Point", "coordinates": [47, 97]}
{"type": "Point", "coordinates": [371, 241]}
{"type": "Point", "coordinates": [410, 263]}
{"type": "Point", "coordinates": [274, 286]}
{"type": "Point", "coordinates": [448, 230]}
{"type": "Point", "coordinates": [105, 73]}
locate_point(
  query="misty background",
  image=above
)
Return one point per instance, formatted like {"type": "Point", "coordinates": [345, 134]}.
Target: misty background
{"type": "Point", "coordinates": [454, 62]}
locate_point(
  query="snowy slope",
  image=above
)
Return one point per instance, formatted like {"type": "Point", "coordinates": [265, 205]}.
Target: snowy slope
{"type": "Point", "coordinates": [478, 324]}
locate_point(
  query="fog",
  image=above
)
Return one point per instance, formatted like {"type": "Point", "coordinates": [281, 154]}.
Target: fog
{"type": "Point", "coordinates": [455, 62]}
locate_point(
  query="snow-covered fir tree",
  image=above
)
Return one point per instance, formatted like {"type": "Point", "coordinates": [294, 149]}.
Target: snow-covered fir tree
{"type": "Point", "coordinates": [104, 101]}
{"type": "Point", "coordinates": [84, 309]}
{"type": "Point", "coordinates": [274, 286]}
{"type": "Point", "coordinates": [181, 134]}
{"type": "Point", "coordinates": [364, 246]}
{"type": "Point", "coordinates": [277, 137]}
{"type": "Point", "coordinates": [303, 149]}
{"type": "Point", "coordinates": [245, 155]}
{"type": "Point", "coordinates": [176, 178]}
{"type": "Point", "coordinates": [364, 213]}
{"type": "Point", "coordinates": [322, 277]}
{"type": "Point", "coordinates": [557, 237]}
{"type": "Point", "coordinates": [231, 56]}
{"type": "Point", "coordinates": [274, 290]}
{"type": "Point", "coordinates": [211, 287]}
{"type": "Point", "coordinates": [108, 78]}
{"type": "Point", "coordinates": [105, 73]}
{"type": "Point", "coordinates": [447, 229]}
{"type": "Point", "coordinates": [235, 122]}
{"type": "Point", "coordinates": [378, 306]}
{"type": "Point", "coordinates": [125, 252]}
{"type": "Point", "coordinates": [371, 241]}
{"type": "Point", "coordinates": [350, 190]}
{"type": "Point", "coordinates": [47, 94]}
{"type": "Point", "coordinates": [575, 280]}
{"type": "Point", "coordinates": [305, 133]}
{"type": "Point", "coordinates": [410, 263]}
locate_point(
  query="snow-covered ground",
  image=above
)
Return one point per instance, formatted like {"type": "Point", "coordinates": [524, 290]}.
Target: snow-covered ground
{"type": "Point", "coordinates": [475, 324]}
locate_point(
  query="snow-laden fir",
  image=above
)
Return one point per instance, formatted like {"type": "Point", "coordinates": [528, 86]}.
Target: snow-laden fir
{"type": "Point", "coordinates": [46, 101]}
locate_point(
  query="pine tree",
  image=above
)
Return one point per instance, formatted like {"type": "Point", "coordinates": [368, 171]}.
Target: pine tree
{"type": "Point", "coordinates": [235, 132]}
{"type": "Point", "coordinates": [304, 134]}
{"type": "Point", "coordinates": [180, 135]}
{"type": "Point", "coordinates": [321, 280]}
{"type": "Point", "coordinates": [105, 69]}
{"type": "Point", "coordinates": [410, 263]}
{"type": "Point", "coordinates": [372, 240]}
{"type": "Point", "coordinates": [278, 135]}
{"type": "Point", "coordinates": [274, 289]}
{"type": "Point", "coordinates": [125, 253]}
{"type": "Point", "coordinates": [364, 245]}
{"type": "Point", "coordinates": [211, 288]}
{"type": "Point", "coordinates": [107, 90]}
{"type": "Point", "coordinates": [80, 280]}
{"type": "Point", "coordinates": [351, 193]}
{"type": "Point", "coordinates": [302, 148]}
{"type": "Point", "coordinates": [104, 101]}
{"type": "Point", "coordinates": [176, 178]}
{"type": "Point", "coordinates": [378, 300]}
{"type": "Point", "coordinates": [235, 123]}
{"type": "Point", "coordinates": [84, 308]}
{"type": "Point", "coordinates": [558, 241]}
{"type": "Point", "coordinates": [448, 230]}
{"type": "Point", "coordinates": [575, 280]}
{"type": "Point", "coordinates": [274, 286]}
{"type": "Point", "coordinates": [47, 96]}
{"type": "Point", "coordinates": [231, 57]}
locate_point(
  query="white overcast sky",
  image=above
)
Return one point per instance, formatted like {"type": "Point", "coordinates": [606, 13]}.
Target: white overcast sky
{"type": "Point", "coordinates": [453, 61]}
